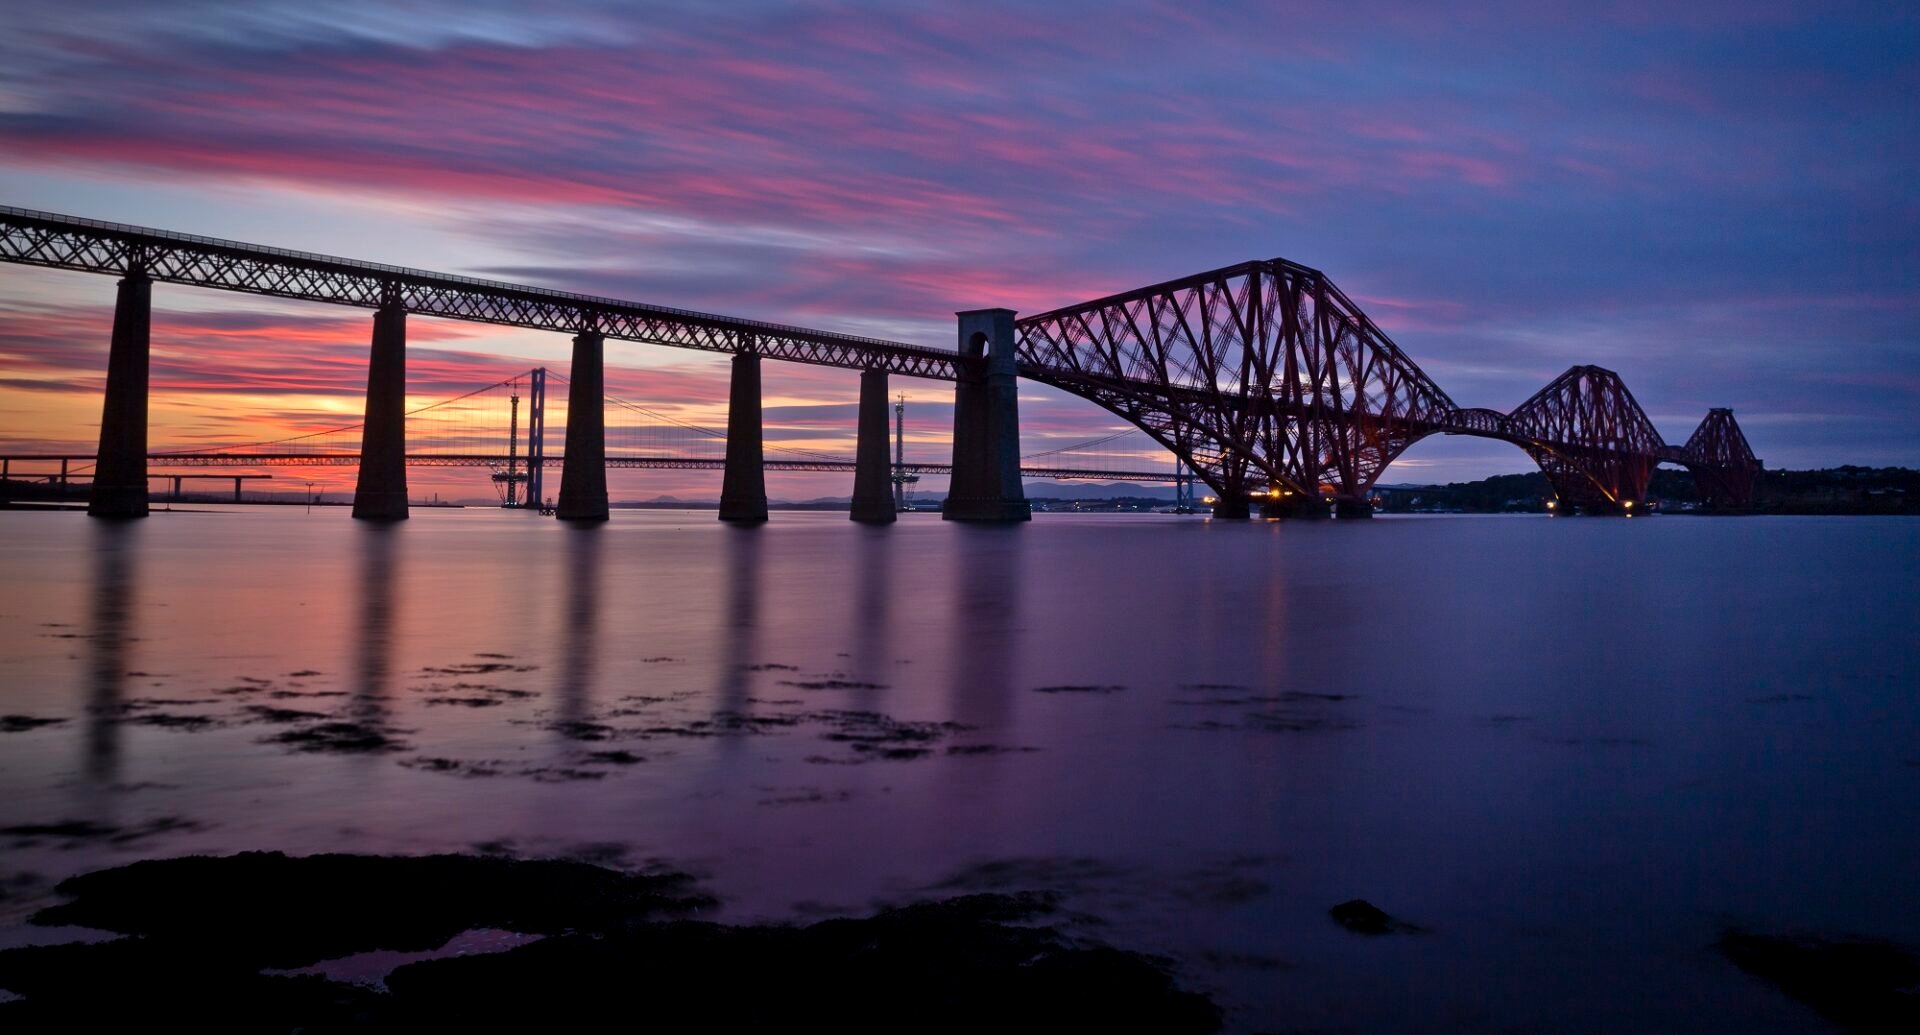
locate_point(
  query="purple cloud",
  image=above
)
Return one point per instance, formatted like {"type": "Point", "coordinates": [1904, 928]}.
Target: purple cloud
{"type": "Point", "coordinates": [1713, 199]}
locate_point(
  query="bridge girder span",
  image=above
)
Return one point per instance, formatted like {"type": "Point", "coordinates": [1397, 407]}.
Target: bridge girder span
{"type": "Point", "coordinates": [1725, 471]}
{"type": "Point", "coordinates": [1265, 373]}
{"type": "Point", "coordinates": [1589, 435]}
{"type": "Point", "coordinates": [1262, 372]}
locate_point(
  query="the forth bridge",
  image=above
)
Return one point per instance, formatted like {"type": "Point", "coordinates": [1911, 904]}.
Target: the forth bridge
{"type": "Point", "coordinates": [1262, 378]}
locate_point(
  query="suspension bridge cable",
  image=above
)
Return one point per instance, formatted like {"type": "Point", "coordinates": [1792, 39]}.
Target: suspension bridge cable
{"type": "Point", "coordinates": [1080, 445]}
{"type": "Point", "coordinates": [709, 432]}
{"type": "Point", "coordinates": [350, 427]}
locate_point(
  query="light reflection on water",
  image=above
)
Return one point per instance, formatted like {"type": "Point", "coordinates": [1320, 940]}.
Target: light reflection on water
{"type": "Point", "coordinates": [1572, 750]}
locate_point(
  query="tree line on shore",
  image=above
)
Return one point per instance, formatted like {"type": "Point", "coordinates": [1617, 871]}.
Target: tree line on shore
{"type": "Point", "coordinates": [1834, 490]}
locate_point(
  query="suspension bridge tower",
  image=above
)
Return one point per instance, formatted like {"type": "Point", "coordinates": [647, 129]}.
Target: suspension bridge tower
{"type": "Point", "coordinates": [901, 479]}
{"type": "Point", "coordinates": [513, 480]}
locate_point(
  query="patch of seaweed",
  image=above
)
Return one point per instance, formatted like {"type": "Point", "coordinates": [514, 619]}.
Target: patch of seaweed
{"type": "Point", "coordinates": [879, 737]}
{"type": "Point", "coordinates": [266, 713]}
{"type": "Point", "coordinates": [452, 766]}
{"type": "Point", "coordinates": [476, 668]}
{"type": "Point", "coordinates": [340, 737]}
{"type": "Point", "coordinates": [612, 758]}
{"type": "Point", "coordinates": [71, 833]}
{"type": "Point", "coordinates": [986, 750]}
{"type": "Point", "coordinates": [804, 796]}
{"type": "Point", "coordinates": [726, 724]}
{"type": "Point", "coordinates": [832, 683]}
{"type": "Point", "coordinates": [466, 702]}
{"type": "Point", "coordinates": [173, 721]}
{"type": "Point", "coordinates": [23, 723]}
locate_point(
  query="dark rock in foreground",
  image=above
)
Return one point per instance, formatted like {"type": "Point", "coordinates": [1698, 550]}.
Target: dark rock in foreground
{"type": "Point", "coordinates": [1363, 917]}
{"type": "Point", "coordinates": [965, 964]}
{"type": "Point", "coordinates": [203, 929]}
{"type": "Point", "coordinates": [1860, 984]}
{"type": "Point", "coordinates": [23, 723]}
{"type": "Point", "coordinates": [281, 911]}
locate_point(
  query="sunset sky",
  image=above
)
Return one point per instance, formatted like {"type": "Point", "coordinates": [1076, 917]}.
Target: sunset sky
{"type": "Point", "coordinates": [1715, 199]}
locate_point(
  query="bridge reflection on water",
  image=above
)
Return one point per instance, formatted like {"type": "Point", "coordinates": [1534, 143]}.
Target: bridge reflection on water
{"type": "Point", "coordinates": [1208, 744]}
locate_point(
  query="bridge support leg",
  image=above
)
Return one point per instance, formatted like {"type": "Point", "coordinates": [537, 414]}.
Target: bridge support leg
{"type": "Point", "coordinates": [743, 487]}
{"type": "Point", "coordinates": [583, 476]}
{"type": "Point", "coordinates": [1232, 503]}
{"type": "Point", "coordinates": [120, 473]}
{"type": "Point", "coordinates": [1349, 508]}
{"type": "Point", "coordinates": [986, 425]}
{"type": "Point", "coordinates": [236, 490]}
{"type": "Point", "coordinates": [381, 492]}
{"type": "Point", "coordinates": [1232, 506]}
{"type": "Point", "coordinates": [872, 473]}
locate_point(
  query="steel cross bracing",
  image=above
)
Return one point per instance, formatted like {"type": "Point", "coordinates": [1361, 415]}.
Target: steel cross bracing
{"type": "Point", "coordinates": [1265, 374]}
{"type": "Point", "coordinates": [1723, 465]}
{"type": "Point", "coordinates": [71, 243]}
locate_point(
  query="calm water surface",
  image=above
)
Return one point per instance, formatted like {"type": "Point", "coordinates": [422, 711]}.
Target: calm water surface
{"type": "Point", "coordinates": [1573, 751]}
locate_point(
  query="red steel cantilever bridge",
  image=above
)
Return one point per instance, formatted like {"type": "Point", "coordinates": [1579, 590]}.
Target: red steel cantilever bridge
{"type": "Point", "coordinates": [1263, 378]}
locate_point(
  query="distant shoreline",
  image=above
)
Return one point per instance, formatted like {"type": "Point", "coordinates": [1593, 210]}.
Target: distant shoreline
{"type": "Point", "coordinates": [1838, 492]}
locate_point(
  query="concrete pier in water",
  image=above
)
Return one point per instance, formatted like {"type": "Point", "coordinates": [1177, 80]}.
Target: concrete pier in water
{"type": "Point", "coordinates": [986, 424]}
{"type": "Point", "coordinates": [381, 491]}
{"type": "Point", "coordinates": [873, 500]}
{"type": "Point", "coordinates": [583, 478]}
{"type": "Point", "coordinates": [1232, 507]}
{"type": "Point", "coordinates": [120, 472]}
{"type": "Point", "coordinates": [743, 487]}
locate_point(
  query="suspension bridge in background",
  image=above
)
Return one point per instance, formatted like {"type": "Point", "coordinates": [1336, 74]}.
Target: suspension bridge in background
{"type": "Point", "coordinates": [501, 427]}
{"type": "Point", "coordinates": [1263, 379]}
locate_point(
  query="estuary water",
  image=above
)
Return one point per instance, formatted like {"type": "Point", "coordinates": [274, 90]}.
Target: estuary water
{"type": "Point", "coordinates": [1568, 754]}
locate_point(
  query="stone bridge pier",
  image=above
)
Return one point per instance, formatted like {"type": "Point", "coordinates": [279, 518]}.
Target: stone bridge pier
{"type": "Point", "coordinates": [583, 476]}
{"type": "Point", "coordinates": [743, 486]}
{"type": "Point", "coordinates": [120, 466]}
{"type": "Point", "coordinates": [986, 424]}
{"type": "Point", "coordinates": [380, 493]}
{"type": "Point", "coordinates": [873, 501]}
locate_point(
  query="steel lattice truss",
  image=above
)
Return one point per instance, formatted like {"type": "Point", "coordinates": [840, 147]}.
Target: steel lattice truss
{"type": "Point", "coordinates": [1262, 373]}
{"type": "Point", "coordinates": [70, 243]}
{"type": "Point", "coordinates": [1723, 465]}
{"type": "Point", "coordinates": [1590, 436]}
{"type": "Point", "coordinates": [1265, 373]}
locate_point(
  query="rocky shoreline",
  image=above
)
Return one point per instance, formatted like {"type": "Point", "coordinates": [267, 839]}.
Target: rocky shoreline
{"type": "Point", "coordinates": [209, 942]}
